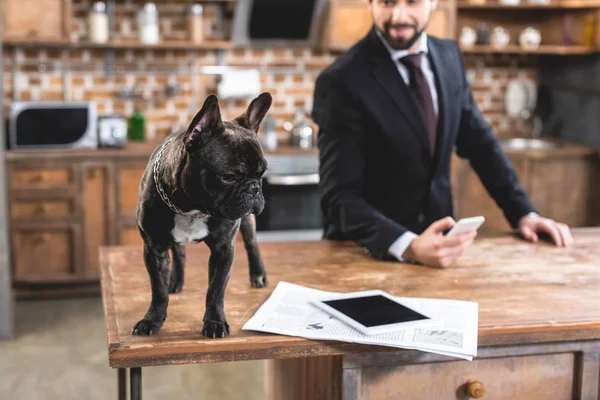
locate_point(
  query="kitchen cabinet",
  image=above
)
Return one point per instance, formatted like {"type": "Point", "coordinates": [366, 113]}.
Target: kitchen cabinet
{"type": "Point", "coordinates": [42, 20]}
{"type": "Point", "coordinates": [562, 184]}
{"type": "Point", "coordinates": [345, 23]}
{"type": "Point", "coordinates": [64, 205]}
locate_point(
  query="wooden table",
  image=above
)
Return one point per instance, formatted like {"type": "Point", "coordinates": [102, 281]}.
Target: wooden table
{"type": "Point", "coordinates": [539, 321]}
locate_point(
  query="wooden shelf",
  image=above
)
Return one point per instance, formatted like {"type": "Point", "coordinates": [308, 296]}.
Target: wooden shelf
{"type": "Point", "coordinates": [524, 5]}
{"type": "Point", "coordinates": [117, 44]}
{"type": "Point", "coordinates": [516, 49]}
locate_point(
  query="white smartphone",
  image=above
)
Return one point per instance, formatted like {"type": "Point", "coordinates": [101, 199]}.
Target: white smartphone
{"type": "Point", "coordinates": [372, 311]}
{"type": "Point", "coordinates": [466, 225]}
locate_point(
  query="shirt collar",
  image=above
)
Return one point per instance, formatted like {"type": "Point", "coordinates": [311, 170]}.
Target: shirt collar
{"type": "Point", "coordinates": [398, 54]}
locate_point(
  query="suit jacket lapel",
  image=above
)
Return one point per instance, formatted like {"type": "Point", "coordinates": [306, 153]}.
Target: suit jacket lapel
{"type": "Point", "coordinates": [442, 81]}
{"type": "Point", "coordinates": [386, 74]}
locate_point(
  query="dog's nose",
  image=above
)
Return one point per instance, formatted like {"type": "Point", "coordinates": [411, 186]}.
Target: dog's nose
{"type": "Point", "coordinates": [254, 188]}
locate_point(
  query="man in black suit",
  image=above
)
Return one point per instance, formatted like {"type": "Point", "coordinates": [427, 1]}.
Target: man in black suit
{"type": "Point", "coordinates": [390, 111]}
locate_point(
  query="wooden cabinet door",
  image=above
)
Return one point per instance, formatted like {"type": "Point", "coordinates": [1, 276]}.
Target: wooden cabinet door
{"type": "Point", "coordinates": [98, 214]}
{"type": "Point", "coordinates": [443, 20]}
{"type": "Point", "coordinates": [562, 189]}
{"type": "Point", "coordinates": [130, 235]}
{"type": "Point", "coordinates": [129, 177]}
{"type": "Point", "coordinates": [472, 199]}
{"type": "Point", "coordinates": [46, 252]}
{"type": "Point", "coordinates": [42, 19]}
{"type": "Point", "coordinates": [345, 23]}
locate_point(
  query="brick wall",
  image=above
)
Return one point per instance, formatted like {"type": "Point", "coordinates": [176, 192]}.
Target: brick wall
{"type": "Point", "coordinates": [289, 74]}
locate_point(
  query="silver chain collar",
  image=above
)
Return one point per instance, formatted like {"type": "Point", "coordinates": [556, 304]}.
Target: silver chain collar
{"type": "Point", "coordinates": [160, 189]}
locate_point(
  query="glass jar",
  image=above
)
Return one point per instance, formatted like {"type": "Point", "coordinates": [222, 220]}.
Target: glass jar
{"type": "Point", "coordinates": [148, 24]}
{"type": "Point", "coordinates": [195, 23]}
{"type": "Point", "coordinates": [98, 23]}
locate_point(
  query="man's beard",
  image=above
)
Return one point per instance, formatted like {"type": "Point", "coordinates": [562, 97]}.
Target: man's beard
{"type": "Point", "coordinates": [401, 43]}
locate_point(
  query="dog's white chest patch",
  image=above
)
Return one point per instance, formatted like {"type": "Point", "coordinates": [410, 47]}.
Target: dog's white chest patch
{"type": "Point", "coordinates": [189, 230]}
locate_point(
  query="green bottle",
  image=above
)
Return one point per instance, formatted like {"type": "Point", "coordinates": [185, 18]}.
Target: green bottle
{"type": "Point", "coordinates": [137, 125]}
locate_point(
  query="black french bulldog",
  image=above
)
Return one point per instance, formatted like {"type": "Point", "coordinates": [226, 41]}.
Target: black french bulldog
{"type": "Point", "coordinates": [203, 184]}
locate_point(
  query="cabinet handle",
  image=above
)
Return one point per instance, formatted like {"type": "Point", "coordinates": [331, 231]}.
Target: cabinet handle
{"type": "Point", "coordinates": [475, 389]}
{"type": "Point", "coordinates": [41, 238]}
{"type": "Point", "coordinates": [39, 177]}
{"type": "Point", "coordinates": [40, 210]}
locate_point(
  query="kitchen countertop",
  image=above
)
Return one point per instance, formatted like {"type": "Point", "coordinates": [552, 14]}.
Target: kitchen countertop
{"type": "Point", "coordinates": [144, 149]}
{"type": "Point", "coordinates": [133, 150]}
{"type": "Point", "coordinates": [527, 293]}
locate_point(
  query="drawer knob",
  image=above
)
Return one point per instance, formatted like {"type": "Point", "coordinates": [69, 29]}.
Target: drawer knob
{"type": "Point", "coordinates": [475, 389]}
{"type": "Point", "coordinates": [40, 210]}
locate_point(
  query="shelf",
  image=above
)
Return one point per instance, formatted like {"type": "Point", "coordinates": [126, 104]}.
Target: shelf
{"type": "Point", "coordinates": [524, 5]}
{"type": "Point", "coordinates": [120, 44]}
{"type": "Point", "coordinates": [543, 49]}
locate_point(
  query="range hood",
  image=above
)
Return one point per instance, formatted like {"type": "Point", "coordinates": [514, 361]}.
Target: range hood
{"type": "Point", "coordinates": [278, 23]}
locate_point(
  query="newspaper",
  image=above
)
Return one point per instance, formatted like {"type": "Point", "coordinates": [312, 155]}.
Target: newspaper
{"type": "Point", "coordinates": [288, 311]}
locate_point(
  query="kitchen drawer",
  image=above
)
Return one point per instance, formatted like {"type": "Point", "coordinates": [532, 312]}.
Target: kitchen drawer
{"type": "Point", "coordinates": [48, 208]}
{"type": "Point", "coordinates": [46, 252]}
{"type": "Point", "coordinates": [32, 177]}
{"type": "Point", "coordinates": [546, 376]}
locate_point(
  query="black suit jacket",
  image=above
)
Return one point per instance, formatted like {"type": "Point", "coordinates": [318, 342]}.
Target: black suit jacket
{"type": "Point", "coordinates": [378, 177]}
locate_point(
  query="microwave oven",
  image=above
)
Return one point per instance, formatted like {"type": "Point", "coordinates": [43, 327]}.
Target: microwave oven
{"type": "Point", "coordinates": [47, 125]}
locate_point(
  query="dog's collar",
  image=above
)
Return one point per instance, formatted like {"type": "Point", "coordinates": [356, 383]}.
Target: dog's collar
{"type": "Point", "coordinates": [161, 192]}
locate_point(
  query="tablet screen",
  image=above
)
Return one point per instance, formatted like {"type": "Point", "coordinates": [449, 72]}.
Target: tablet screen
{"type": "Point", "coordinates": [375, 310]}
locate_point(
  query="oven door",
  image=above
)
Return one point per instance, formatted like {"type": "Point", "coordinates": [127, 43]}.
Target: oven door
{"type": "Point", "coordinates": [292, 209]}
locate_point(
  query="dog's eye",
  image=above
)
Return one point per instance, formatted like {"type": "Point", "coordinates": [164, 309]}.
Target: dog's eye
{"type": "Point", "coordinates": [228, 178]}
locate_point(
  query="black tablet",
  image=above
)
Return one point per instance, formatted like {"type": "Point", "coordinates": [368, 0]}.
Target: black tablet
{"type": "Point", "coordinates": [371, 312]}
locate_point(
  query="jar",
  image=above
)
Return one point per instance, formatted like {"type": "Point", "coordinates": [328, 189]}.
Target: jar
{"type": "Point", "coordinates": [148, 24]}
{"type": "Point", "coordinates": [195, 23]}
{"type": "Point", "coordinates": [98, 23]}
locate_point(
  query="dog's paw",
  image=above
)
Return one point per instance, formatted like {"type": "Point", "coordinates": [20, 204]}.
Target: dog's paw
{"type": "Point", "coordinates": [259, 281]}
{"type": "Point", "coordinates": [146, 327]}
{"type": "Point", "coordinates": [175, 285]}
{"type": "Point", "coordinates": [215, 329]}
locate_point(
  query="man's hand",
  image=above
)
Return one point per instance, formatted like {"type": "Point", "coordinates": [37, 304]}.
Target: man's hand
{"type": "Point", "coordinates": [530, 226]}
{"type": "Point", "coordinates": [435, 249]}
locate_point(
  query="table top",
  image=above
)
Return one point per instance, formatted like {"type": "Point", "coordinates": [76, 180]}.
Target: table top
{"type": "Point", "coordinates": [527, 293]}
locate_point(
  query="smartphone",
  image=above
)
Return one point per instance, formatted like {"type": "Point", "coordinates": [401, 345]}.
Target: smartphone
{"type": "Point", "coordinates": [466, 225]}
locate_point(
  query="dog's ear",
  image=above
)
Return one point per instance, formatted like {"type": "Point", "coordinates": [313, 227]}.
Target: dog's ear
{"type": "Point", "coordinates": [256, 111]}
{"type": "Point", "coordinates": [206, 123]}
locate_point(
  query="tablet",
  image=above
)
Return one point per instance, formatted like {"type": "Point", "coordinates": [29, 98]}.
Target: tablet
{"type": "Point", "coordinates": [372, 311]}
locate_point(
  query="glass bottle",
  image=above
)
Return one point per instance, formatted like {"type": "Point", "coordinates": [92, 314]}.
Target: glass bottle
{"type": "Point", "coordinates": [148, 24]}
{"type": "Point", "coordinates": [98, 23]}
{"type": "Point", "coordinates": [137, 126]}
{"type": "Point", "coordinates": [195, 23]}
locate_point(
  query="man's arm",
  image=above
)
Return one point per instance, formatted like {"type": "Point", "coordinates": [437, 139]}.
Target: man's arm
{"type": "Point", "coordinates": [341, 142]}
{"type": "Point", "coordinates": [477, 142]}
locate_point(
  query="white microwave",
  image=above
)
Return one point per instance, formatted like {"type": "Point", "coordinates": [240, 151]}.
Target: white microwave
{"type": "Point", "coordinates": [47, 125]}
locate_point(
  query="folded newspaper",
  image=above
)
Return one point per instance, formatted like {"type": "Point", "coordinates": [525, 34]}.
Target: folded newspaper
{"type": "Point", "coordinates": [288, 311]}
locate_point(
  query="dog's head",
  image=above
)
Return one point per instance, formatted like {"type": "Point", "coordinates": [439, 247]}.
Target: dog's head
{"type": "Point", "coordinates": [225, 161]}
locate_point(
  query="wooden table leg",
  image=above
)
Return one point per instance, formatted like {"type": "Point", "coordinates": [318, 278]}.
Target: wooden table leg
{"type": "Point", "coordinates": [135, 376]}
{"type": "Point", "coordinates": [122, 383]}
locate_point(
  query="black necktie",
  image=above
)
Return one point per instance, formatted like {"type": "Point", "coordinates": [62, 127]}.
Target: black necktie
{"type": "Point", "coordinates": [422, 94]}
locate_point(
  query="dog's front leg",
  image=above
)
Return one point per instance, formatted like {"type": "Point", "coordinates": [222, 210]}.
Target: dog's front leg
{"type": "Point", "coordinates": [219, 269]}
{"type": "Point", "coordinates": [258, 275]}
{"type": "Point", "coordinates": [157, 264]}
